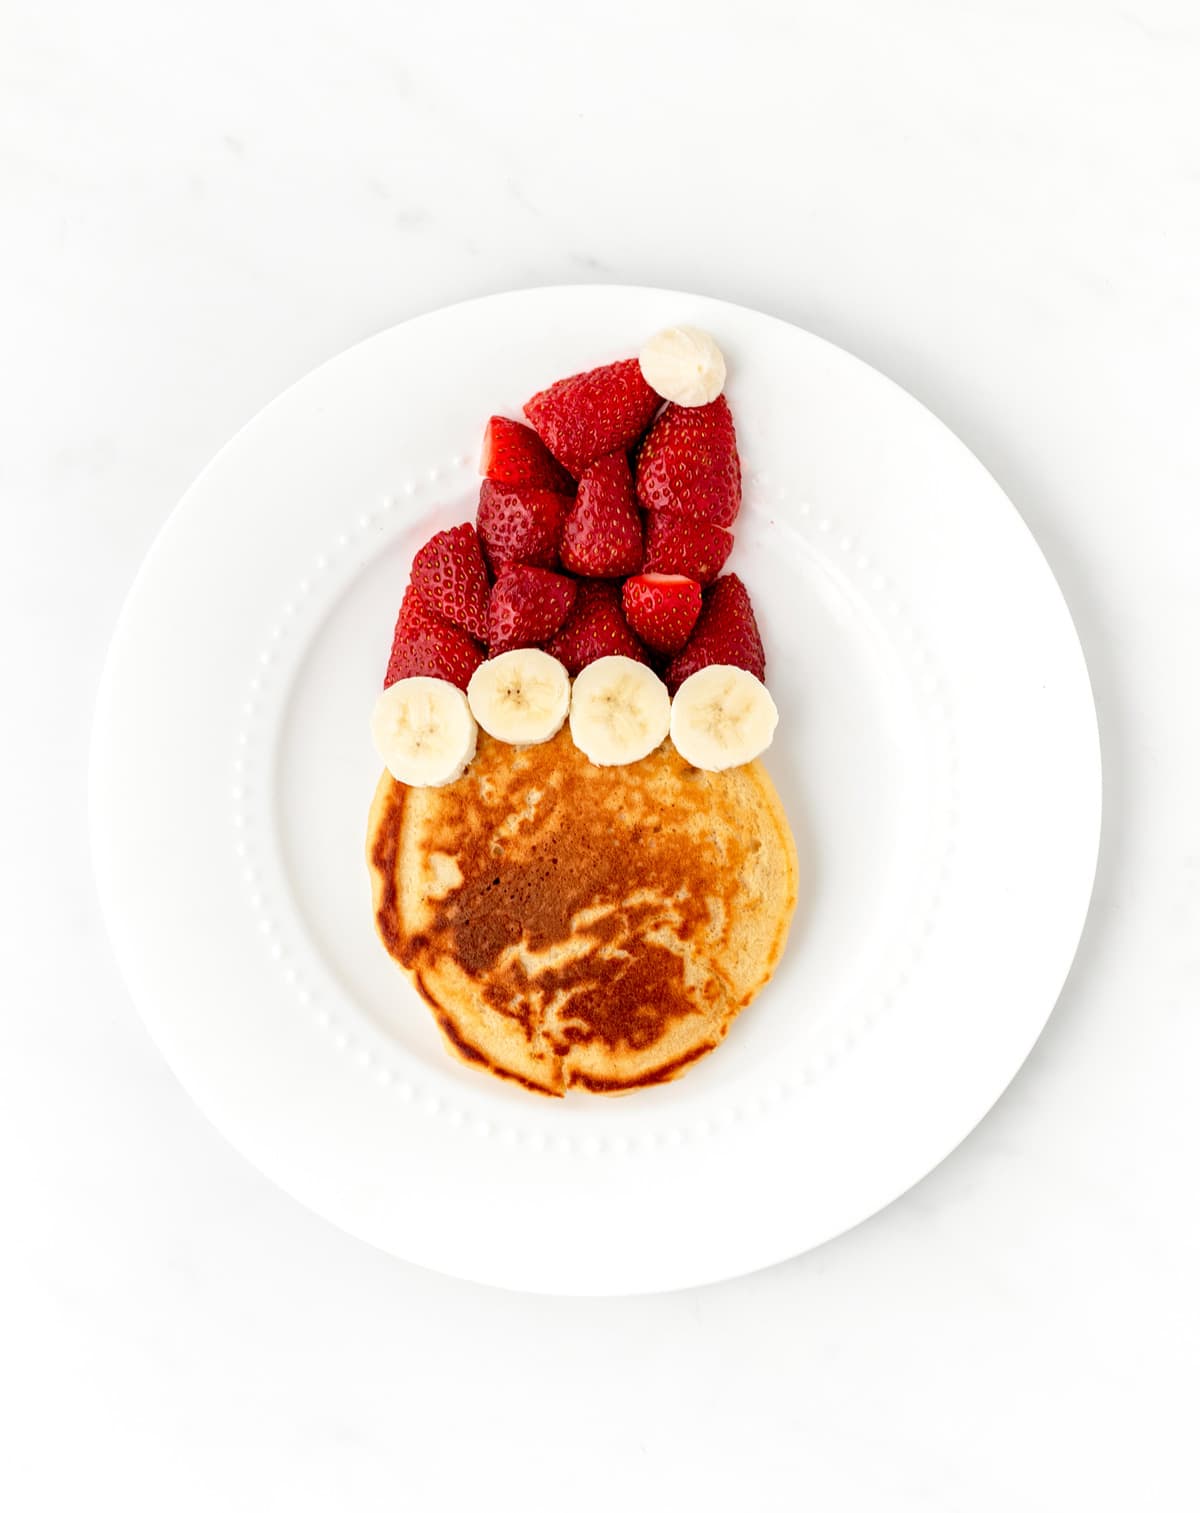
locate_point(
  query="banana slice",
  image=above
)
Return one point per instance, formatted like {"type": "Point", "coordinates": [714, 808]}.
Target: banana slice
{"type": "Point", "coordinates": [619, 711]}
{"type": "Point", "coordinates": [721, 717]}
{"type": "Point", "coordinates": [683, 365]}
{"type": "Point", "coordinates": [424, 731]}
{"type": "Point", "coordinates": [520, 696]}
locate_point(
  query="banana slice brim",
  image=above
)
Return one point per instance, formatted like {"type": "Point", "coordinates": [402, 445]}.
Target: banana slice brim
{"type": "Point", "coordinates": [521, 696]}
{"type": "Point", "coordinates": [722, 717]}
{"type": "Point", "coordinates": [424, 731]}
{"type": "Point", "coordinates": [620, 711]}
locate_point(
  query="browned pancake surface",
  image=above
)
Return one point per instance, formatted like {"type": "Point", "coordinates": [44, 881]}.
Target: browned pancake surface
{"type": "Point", "coordinates": [573, 925]}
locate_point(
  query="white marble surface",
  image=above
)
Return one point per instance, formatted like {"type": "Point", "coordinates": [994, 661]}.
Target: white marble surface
{"type": "Point", "coordinates": [997, 204]}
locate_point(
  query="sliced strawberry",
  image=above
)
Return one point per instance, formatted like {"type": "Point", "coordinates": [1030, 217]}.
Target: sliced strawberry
{"type": "Point", "coordinates": [449, 574]}
{"type": "Point", "coordinates": [691, 547]}
{"type": "Point", "coordinates": [527, 606]}
{"type": "Point", "coordinates": [427, 646]}
{"type": "Point", "coordinates": [595, 628]}
{"type": "Point", "coordinates": [515, 453]}
{"type": "Point", "coordinates": [520, 525]}
{"type": "Point", "coordinates": [592, 414]}
{"type": "Point", "coordinates": [602, 534]}
{"type": "Point", "coordinates": [726, 632]}
{"type": "Point", "coordinates": [662, 608]}
{"type": "Point", "coordinates": [688, 464]}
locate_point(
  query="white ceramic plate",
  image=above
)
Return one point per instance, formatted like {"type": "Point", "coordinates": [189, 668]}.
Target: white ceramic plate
{"type": "Point", "coordinates": [937, 753]}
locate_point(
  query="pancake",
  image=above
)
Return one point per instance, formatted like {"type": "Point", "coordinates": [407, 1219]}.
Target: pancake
{"type": "Point", "coordinates": [581, 926]}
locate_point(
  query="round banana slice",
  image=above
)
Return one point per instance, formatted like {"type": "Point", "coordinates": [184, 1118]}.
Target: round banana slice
{"type": "Point", "coordinates": [424, 731]}
{"type": "Point", "coordinates": [683, 365]}
{"type": "Point", "coordinates": [620, 711]}
{"type": "Point", "coordinates": [520, 696]}
{"type": "Point", "coordinates": [721, 717]}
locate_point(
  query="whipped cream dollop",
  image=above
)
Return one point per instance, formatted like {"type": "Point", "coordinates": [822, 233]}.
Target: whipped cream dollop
{"type": "Point", "coordinates": [684, 365]}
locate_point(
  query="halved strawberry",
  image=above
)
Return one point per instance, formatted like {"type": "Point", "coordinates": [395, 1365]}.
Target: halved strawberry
{"type": "Point", "coordinates": [726, 632]}
{"type": "Point", "coordinates": [691, 547]}
{"type": "Point", "coordinates": [527, 606]}
{"type": "Point", "coordinates": [427, 646]}
{"type": "Point", "coordinates": [662, 608]}
{"type": "Point", "coordinates": [688, 464]}
{"type": "Point", "coordinates": [595, 628]}
{"type": "Point", "coordinates": [515, 453]}
{"type": "Point", "coordinates": [592, 414]}
{"type": "Point", "coordinates": [602, 534]}
{"type": "Point", "coordinates": [518, 524]}
{"type": "Point", "coordinates": [449, 574]}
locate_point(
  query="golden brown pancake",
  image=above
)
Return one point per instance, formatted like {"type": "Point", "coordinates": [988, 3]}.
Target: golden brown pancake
{"type": "Point", "coordinates": [581, 926]}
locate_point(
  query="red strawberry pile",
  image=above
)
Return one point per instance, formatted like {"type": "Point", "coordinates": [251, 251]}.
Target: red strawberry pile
{"type": "Point", "coordinates": [602, 529]}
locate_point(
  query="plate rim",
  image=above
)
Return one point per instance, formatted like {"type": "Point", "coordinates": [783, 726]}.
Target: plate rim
{"type": "Point", "coordinates": [104, 713]}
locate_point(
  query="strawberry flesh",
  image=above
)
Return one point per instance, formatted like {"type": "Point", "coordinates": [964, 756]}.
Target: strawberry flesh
{"type": "Point", "coordinates": [520, 525]}
{"type": "Point", "coordinates": [449, 574]}
{"type": "Point", "coordinates": [688, 464]}
{"type": "Point", "coordinates": [595, 628]}
{"type": "Point", "coordinates": [691, 547]}
{"type": "Point", "coordinates": [725, 633]}
{"type": "Point", "coordinates": [427, 646]}
{"type": "Point", "coordinates": [515, 453]}
{"type": "Point", "coordinates": [662, 608]}
{"type": "Point", "coordinates": [592, 414]}
{"type": "Point", "coordinates": [602, 534]}
{"type": "Point", "coordinates": [527, 606]}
